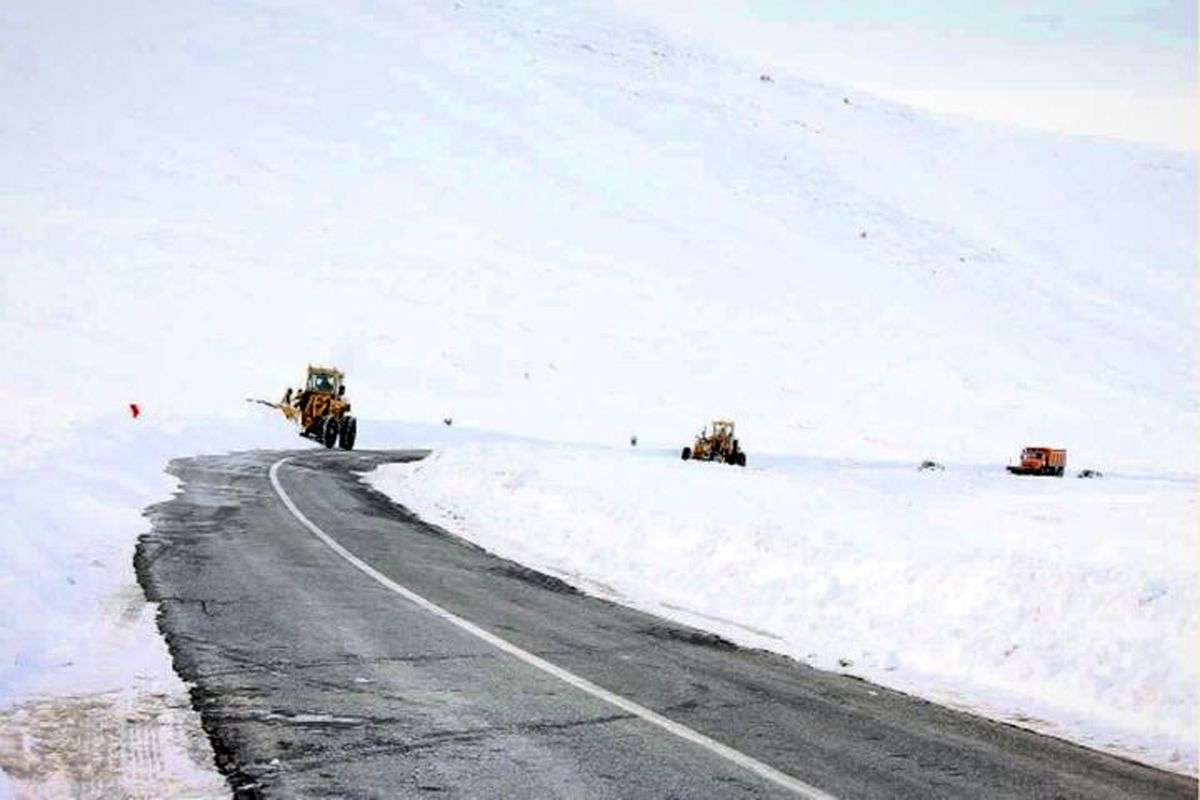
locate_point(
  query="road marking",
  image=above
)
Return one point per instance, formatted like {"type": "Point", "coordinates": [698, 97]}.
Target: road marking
{"type": "Point", "coordinates": [760, 769]}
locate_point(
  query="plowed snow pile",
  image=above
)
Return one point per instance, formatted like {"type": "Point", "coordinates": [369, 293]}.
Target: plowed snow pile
{"type": "Point", "coordinates": [1064, 605]}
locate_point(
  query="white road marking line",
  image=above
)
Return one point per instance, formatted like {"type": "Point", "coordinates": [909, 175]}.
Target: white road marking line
{"type": "Point", "coordinates": [760, 769]}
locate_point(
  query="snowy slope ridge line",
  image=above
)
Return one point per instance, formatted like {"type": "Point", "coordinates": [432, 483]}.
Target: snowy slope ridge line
{"type": "Point", "coordinates": [764, 771]}
{"type": "Point", "coordinates": [1068, 606]}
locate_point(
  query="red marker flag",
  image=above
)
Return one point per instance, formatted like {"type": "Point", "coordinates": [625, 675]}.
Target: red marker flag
{"type": "Point", "coordinates": [134, 410]}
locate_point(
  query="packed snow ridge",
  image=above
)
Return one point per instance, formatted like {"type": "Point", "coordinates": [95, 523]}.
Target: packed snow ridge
{"type": "Point", "coordinates": [1068, 606]}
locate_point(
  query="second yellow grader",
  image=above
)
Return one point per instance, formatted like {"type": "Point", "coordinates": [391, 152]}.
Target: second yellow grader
{"type": "Point", "coordinates": [720, 445]}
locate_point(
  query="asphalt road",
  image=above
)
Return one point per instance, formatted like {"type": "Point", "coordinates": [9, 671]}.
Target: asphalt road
{"type": "Point", "coordinates": [314, 679]}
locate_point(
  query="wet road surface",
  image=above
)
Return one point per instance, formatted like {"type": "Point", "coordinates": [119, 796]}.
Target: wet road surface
{"type": "Point", "coordinates": [315, 680]}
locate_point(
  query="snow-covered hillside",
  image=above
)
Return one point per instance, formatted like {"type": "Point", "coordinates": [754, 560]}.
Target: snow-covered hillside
{"type": "Point", "coordinates": [544, 220]}
{"type": "Point", "coordinates": [554, 221]}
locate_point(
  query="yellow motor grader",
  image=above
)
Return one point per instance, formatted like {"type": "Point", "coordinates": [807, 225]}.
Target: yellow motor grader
{"type": "Point", "coordinates": [320, 408]}
{"type": "Point", "coordinates": [720, 445]}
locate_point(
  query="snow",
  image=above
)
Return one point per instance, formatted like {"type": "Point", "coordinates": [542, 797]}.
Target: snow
{"type": "Point", "coordinates": [554, 222]}
{"type": "Point", "coordinates": [84, 675]}
{"type": "Point", "coordinates": [466, 195]}
{"type": "Point", "coordinates": [76, 512]}
{"type": "Point", "coordinates": [1068, 606]}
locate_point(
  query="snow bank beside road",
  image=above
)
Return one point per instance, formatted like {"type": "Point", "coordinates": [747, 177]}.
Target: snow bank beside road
{"type": "Point", "coordinates": [83, 670]}
{"type": "Point", "coordinates": [73, 513]}
{"type": "Point", "coordinates": [1064, 605]}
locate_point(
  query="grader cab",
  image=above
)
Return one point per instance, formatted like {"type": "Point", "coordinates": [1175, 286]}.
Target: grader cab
{"type": "Point", "coordinates": [320, 408]}
{"type": "Point", "coordinates": [720, 445]}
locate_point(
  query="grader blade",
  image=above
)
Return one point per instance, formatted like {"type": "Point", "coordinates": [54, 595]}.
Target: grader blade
{"type": "Point", "coordinates": [288, 411]}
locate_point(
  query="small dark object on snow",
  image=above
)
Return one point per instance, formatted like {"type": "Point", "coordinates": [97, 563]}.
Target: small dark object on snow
{"type": "Point", "coordinates": [845, 662]}
{"type": "Point", "coordinates": [846, 100]}
{"type": "Point", "coordinates": [931, 465]}
{"type": "Point", "coordinates": [448, 421]}
{"type": "Point", "coordinates": [765, 78]}
{"type": "Point", "coordinates": [1090, 473]}
{"type": "Point", "coordinates": [633, 441]}
{"type": "Point", "coordinates": [862, 235]}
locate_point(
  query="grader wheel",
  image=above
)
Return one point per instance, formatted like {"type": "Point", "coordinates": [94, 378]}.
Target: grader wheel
{"type": "Point", "coordinates": [348, 433]}
{"type": "Point", "coordinates": [329, 430]}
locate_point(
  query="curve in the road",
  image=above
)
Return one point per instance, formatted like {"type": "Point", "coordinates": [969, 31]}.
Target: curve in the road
{"type": "Point", "coordinates": [781, 779]}
{"type": "Point", "coordinates": [313, 680]}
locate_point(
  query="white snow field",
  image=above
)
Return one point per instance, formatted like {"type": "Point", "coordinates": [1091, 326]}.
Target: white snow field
{"type": "Point", "coordinates": [447, 198]}
{"type": "Point", "coordinates": [1067, 606]}
{"type": "Point", "coordinates": [550, 220]}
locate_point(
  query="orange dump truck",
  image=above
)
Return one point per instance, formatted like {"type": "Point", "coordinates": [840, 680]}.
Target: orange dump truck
{"type": "Point", "coordinates": [1041, 461]}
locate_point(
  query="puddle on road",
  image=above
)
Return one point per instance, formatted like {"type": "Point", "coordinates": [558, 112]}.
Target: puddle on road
{"type": "Point", "coordinates": [117, 745]}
